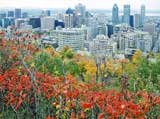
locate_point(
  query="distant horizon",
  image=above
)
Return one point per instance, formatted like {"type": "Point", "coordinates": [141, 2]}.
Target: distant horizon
{"type": "Point", "coordinates": [90, 4]}
{"type": "Point", "coordinates": [155, 13]}
{"type": "Point", "coordinates": [108, 9]}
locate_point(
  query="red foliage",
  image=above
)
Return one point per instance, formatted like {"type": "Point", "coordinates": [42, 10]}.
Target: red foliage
{"type": "Point", "coordinates": [17, 87]}
{"type": "Point", "coordinates": [86, 105]}
{"type": "Point", "coordinates": [67, 91]}
{"type": "Point", "coordinates": [49, 117]}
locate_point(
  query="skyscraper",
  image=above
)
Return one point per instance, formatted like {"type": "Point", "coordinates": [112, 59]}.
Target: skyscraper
{"type": "Point", "coordinates": [137, 20]}
{"type": "Point", "coordinates": [35, 22]}
{"type": "Point", "coordinates": [115, 16]}
{"type": "Point", "coordinates": [68, 18]}
{"type": "Point", "coordinates": [48, 12]}
{"type": "Point", "coordinates": [24, 15]}
{"type": "Point", "coordinates": [47, 23]}
{"type": "Point", "coordinates": [17, 13]}
{"type": "Point", "coordinates": [143, 10]}
{"type": "Point", "coordinates": [131, 21]}
{"type": "Point", "coordinates": [10, 13]}
{"type": "Point", "coordinates": [81, 9]}
{"type": "Point", "coordinates": [126, 14]}
{"type": "Point", "coordinates": [110, 30]}
{"type": "Point", "coordinates": [2, 15]}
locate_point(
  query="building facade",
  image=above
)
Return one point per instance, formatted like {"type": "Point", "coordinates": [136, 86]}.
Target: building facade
{"type": "Point", "coordinates": [72, 37]}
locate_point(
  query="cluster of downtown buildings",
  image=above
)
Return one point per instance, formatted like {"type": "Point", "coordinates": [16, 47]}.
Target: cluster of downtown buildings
{"type": "Point", "coordinates": [95, 33]}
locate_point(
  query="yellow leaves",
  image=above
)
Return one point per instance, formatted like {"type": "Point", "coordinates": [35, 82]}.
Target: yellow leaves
{"type": "Point", "coordinates": [32, 65]}
{"type": "Point", "coordinates": [114, 67]}
{"type": "Point", "coordinates": [90, 67]}
{"type": "Point", "coordinates": [51, 51]}
{"type": "Point", "coordinates": [87, 64]}
{"type": "Point", "coordinates": [136, 57]}
{"type": "Point", "coordinates": [57, 106]}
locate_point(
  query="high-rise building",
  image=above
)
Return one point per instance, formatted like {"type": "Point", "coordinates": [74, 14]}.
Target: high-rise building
{"type": "Point", "coordinates": [59, 23]}
{"type": "Point", "coordinates": [126, 14]}
{"type": "Point", "coordinates": [102, 29]}
{"type": "Point", "coordinates": [7, 22]}
{"type": "Point", "coordinates": [47, 23]}
{"type": "Point", "coordinates": [102, 45]}
{"type": "Point", "coordinates": [24, 15]}
{"type": "Point", "coordinates": [19, 22]}
{"type": "Point", "coordinates": [35, 22]}
{"type": "Point", "coordinates": [131, 21]}
{"type": "Point", "coordinates": [10, 14]}
{"type": "Point", "coordinates": [143, 10]}
{"type": "Point", "coordinates": [92, 28]}
{"type": "Point", "coordinates": [110, 30]}
{"type": "Point", "coordinates": [3, 15]}
{"type": "Point", "coordinates": [115, 16]}
{"type": "Point", "coordinates": [137, 20]}
{"type": "Point", "coordinates": [17, 13]}
{"type": "Point", "coordinates": [73, 37]}
{"type": "Point", "coordinates": [80, 9]}
{"type": "Point", "coordinates": [68, 20]}
{"type": "Point", "coordinates": [149, 27]}
{"type": "Point", "coordinates": [48, 12]}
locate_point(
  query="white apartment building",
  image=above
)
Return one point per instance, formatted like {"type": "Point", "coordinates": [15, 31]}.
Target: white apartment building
{"type": "Point", "coordinates": [72, 37]}
{"type": "Point", "coordinates": [102, 45]}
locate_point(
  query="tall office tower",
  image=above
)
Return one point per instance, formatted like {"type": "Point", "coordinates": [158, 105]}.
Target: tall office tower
{"type": "Point", "coordinates": [131, 21]}
{"type": "Point", "coordinates": [143, 11]}
{"type": "Point", "coordinates": [110, 30]}
{"type": "Point", "coordinates": [2, 15]}
{"type": "Point", "coordinates": [115, 16]}
{"type": "Point", "coordinates": [7, 22]}
{"type": "Point", "coordinates": [35, 22]}
{"type": "Point", "coordinates": [58, 23]}
{"type": "Point", "coordinates": [10, 14]}
{"type": "Point", "coordinates": [92, 28]}
{"type": "Point", "coordinates": [149, 27]}
{"type": "Point", "coordinates": [17, 13]}
{"type": "Point", "coordinates": [48, 12]}
{"type": "Point", "coordinates": [24, 15]}
{"type": "Point", "coordinates": [68, 20]}
{"type": "Point", "coordinates": [137, 20]}
{"type": "Point", "coordinates": [18, 22]}
{"type": "Point", "coordinates": [47, 23]}
{"type": "Point", "coordinates": [126, 14]}
{"type": "Point", "coordinates": [81, 9]}
{"type": "Point", "coordinates": [102, 29]}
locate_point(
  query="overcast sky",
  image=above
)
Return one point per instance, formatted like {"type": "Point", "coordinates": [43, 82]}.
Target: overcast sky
{"type": "Point", "coordinates": [100, 4]}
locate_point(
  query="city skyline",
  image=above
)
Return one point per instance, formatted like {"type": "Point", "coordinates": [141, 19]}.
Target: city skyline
{"type": "Point", "coordinates": [90, 4]}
